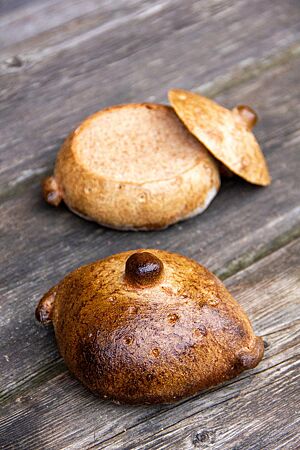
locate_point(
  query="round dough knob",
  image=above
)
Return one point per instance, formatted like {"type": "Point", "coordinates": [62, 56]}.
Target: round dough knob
{"type": "Point", "coordinates": [143, 269]}
{"type": "Point", "coordinates": [247, 115]}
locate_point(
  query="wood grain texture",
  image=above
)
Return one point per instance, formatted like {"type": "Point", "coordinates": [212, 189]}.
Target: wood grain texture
{"type": "Point", "coordinates": [156, 48]}
{"type": "Point", "coordinates": [43, 244]}
{"type": "Point", "coordinates": [45, 24]}
{"type": "Point", "coordinates": [245, 420]}
{"type": "Point", "coordinates": [7, 6]}
{"type": "Point", "coordinates": [36, 21]}
{"type": "Point", "coordinates": [269, 291]}
{"type": "Point", "coordinates": [63, 60]}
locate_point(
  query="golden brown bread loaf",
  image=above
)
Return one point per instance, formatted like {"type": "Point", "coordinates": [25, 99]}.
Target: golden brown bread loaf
{"type": "Point", "coordinates": [148, 326]}
{"type": "Point", "coordinates": [226, 134]}
{"type": "Point", "coordinates": [133, 166]}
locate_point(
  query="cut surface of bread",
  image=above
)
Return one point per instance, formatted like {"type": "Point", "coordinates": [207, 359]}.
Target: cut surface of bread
{"type": "Point", "coordinates": [134, 166]}
{"type": "Point", "coordinates": [136, 144]}
{"type": "Point", "coordinates": [226, 134]}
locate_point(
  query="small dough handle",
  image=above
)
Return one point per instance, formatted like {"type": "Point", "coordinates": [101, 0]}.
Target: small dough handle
{"type": "Point", "coordinates": [51, 191]}
{"type": "Point", "coordinates": [43, 312]}
{"type": "Point", "coordinates": [246, 115]}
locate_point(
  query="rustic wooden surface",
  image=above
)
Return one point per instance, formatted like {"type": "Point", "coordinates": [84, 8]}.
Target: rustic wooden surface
{"type": "Point", "coordinates": [63, 60]}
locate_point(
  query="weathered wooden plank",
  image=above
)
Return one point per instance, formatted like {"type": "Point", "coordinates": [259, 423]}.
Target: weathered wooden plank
{"type": "Point", "coordinates": [7, 6]}
{"type": "Point", "coordinates": [242, 224]}
{"type": "Point", "coordinates": [268, 290]}
{"type": "Point", "coordinates": [57, 87]}
{"type": "Point", "coordinates": [67, 417]}
{"type": "Point", "coordinates": [35, 19]}
{"type": "Point", "coordinates": [262, 413]}
{"type": "Point", "coordinates": [73, 18]}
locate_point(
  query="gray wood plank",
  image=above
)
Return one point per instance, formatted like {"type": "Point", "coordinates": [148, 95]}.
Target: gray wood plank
{"type": "Point", "coordinates": [243, 224]}
{"type": "Point", "coordinates": [7, 6]}
{"type": "Point", "coordinates": [154, 49]}
{"type": "Point", "coordinates": [262, 413]}
{"type": "Point", "coordinates": [37, 20]}
{"type": "Point", "coordinates": [136, 51]}
{"type": "Point", "coordinates": [72, 18]}
{"type": "Point", "coordinates": [269, 292]}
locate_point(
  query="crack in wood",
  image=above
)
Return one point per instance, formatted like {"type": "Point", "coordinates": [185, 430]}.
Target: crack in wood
{"type": "Point", "coordinates": [57, 367]}
{"type": "Point", "coordinates": [140, 13]}
{"type": "Point", "coordinates": [219, 85]}
{"type": "Point", "coordinates": [244, 261]}
{"type": "Point", "coordinates": [228, 384]}
{"type": "Point", "coordinates": [38, 392]}
{"type": "Point", "coordinates": [249, 70]}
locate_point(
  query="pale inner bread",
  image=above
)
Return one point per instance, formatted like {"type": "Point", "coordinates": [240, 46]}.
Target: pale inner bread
{"type": "Point", "coordinates": [136, 144]}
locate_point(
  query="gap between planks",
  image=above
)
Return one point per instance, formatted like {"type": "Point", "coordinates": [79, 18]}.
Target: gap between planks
{"type": "Point", "coordinates": [57, 367]}
{"type": "Point", "coordinates": [33, 82]}
{"type": "Point", "coordinates": [211, 398]}
{"type": "Point", "coordinates": [278, 242]}
{"type": "Point", "coordinates": [136, 12]}
{"type": "Point", "coordinates": [247, 71]}
{"type": "Point", "coordinates": [259, 303]}
{"type": "Point", "coordinates": [90, 15]}
{"type": "Point", "coordinates": [103, 444]}
{"type": "Point", "coordinates": [262, 370]}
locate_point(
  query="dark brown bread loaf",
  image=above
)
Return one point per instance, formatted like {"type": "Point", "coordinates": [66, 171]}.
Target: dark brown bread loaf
{"type": "Point", "coordinates": [149, 326]}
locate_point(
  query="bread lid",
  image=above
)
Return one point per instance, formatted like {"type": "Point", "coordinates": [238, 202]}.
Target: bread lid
{"type": "Point", "coordinates": [226, 134]}
{"type": "Point", "coordinates": [149, 326]}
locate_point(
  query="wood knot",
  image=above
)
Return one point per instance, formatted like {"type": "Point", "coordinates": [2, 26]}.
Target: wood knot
{"type": "Point", "coordinates": [204, 437]}
{"type": "Point", "coordinates": [14, 61]}
{"type": "Point", "coordinates": [143, 269]}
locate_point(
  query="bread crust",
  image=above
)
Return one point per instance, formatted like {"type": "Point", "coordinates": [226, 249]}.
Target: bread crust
{"type": "Point", "coordinates": [153, 343]}
{"type": "Point", "coordinates": [125, 204]}
{"type": "Point", "coordinates": [226, 134]}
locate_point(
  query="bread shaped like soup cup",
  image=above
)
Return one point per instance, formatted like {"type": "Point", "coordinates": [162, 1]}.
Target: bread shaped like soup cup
{"type": "Point", "coordinates": [133, 166]}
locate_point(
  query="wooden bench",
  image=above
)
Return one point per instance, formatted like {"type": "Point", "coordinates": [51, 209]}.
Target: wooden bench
{"type": "Point", "coordinates": [62, 60]}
